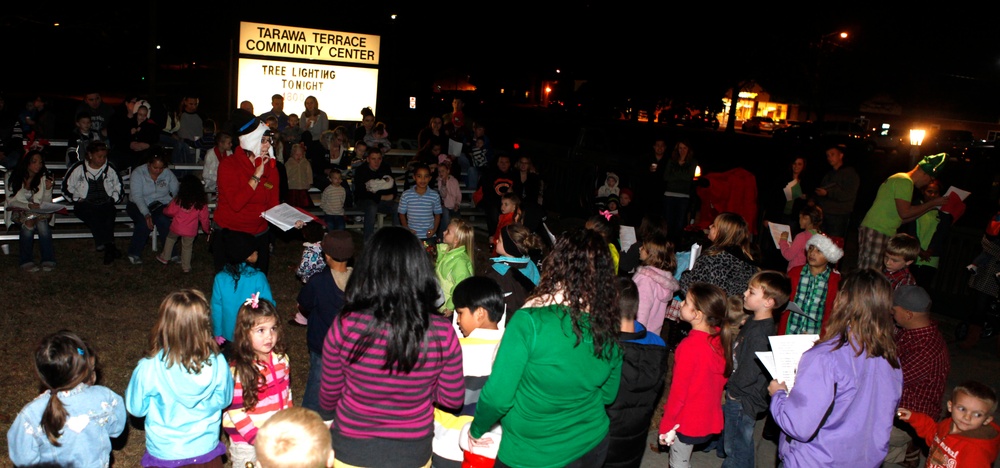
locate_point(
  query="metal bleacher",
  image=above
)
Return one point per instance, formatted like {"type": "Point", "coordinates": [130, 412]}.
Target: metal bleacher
{"type": "Point", "coordinates": [70, 227]}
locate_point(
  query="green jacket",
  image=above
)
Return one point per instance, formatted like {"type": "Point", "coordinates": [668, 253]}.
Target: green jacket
{"type": "Point", "coordinates": [452, 267]}
{"type": "Point", "coordinates": [678, 178]}
{"type": "Point", "coordinates": [547, 392]}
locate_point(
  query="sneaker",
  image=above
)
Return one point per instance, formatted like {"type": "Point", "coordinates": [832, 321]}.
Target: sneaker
{"type": "Point", "coordinates": [48, 266]}
{"type": "Point", "coordinates": [99, 248]}
{"type": "Point", "coordinates": [29, 268]}
{"type": "Point", "coordinates": [162, 260]}
{"type": "Point", "coordinates": [135, 260]}
{"type": "Point", "coordinates": [175, 259]}
{"type": "Point", "coordinates": [972, 268]}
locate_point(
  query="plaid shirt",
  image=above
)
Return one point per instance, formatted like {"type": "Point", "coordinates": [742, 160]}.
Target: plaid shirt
{"type": "Point", "coordinates": [811, 298]}
{"type": "Point", "coordinates": [923, 355]}
{"type": "Point", "coordinates": [902, 277]}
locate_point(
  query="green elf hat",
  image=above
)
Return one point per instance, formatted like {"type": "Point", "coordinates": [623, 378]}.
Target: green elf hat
{"type": "Point", "coordinates": [932, 164]}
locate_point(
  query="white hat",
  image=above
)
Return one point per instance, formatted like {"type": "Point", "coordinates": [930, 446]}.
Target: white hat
{"type": "Point", "coordinates": [830, 250]}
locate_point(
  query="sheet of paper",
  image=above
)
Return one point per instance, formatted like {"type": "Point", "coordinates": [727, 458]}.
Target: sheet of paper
{"type": "Point", "coordinates": [787, 351]}
{"type": "Point", "coordinates": [695, 252]}
{"type": "Point", "coordinates": [552, 237]}
{"type": "Point", "coordinates": [961, 193]}
{"type": "Point", "coordinates": [46, 207]}
{"type": "Point", "coordinates": [777, 229]}
{"type": "Point", "coordinates": [454, 147]}
{"type": "Point", "coordinates": [626, 236]}
{"type": "Point", "coordinates": [788, 190]}
{"type": "Point", "coordinates": [767, 359]}
{"type": "Point", "coordinates": [284, 216]}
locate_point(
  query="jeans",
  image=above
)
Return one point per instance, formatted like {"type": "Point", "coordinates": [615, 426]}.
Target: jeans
{"type": "Point", "coordinates": [372, 208]}
{"type": "Point", "coordinates": [100, 219]}
{"type": "Point", "coordinates": [836, 224]}
{"type": "Point", "coordinates": [141, 232]}
{"type": "Point", "coordinates": [27, 239]}
{"type": "Point", "coordinates": [335, 222]}
{"type": "Point", "coordinates": [675, 211]}
{"type": "Point", "coordinates": [310, 396]}
{"type": "Point", "coordinates": [737, 436]}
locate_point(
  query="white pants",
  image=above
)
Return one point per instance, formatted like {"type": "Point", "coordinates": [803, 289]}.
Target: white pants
{"type": "Point", "coordinates": [241, 453]}
{"type": "Point", "coordinates": [680, 455]}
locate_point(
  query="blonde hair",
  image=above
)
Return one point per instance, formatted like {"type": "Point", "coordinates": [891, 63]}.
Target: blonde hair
{"type": "Point", "coordinates": [861, 316]}
{"type": "Point", "coordinates": [294, 438]}
{"type": "Point", "coordinates": [659, 253]}
{"type": "Point", "coordinates": [731, 230]}
{"type": "Point", "coordinates": [465, 235]}
{"type": "Point", "coordinates": [183, 331]}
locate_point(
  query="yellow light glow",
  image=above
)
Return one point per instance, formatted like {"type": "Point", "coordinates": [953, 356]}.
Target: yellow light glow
{"type": "Point", "coordinates": [843, 35]}
{"type": "Point", "coordinates": [747, 95]}
{"type": "Point", "coordinates": [548, 89]}
{"type": "Point", "coordinates": [917, 136]}
{"type": "Point", "coordinates": [697, 172]}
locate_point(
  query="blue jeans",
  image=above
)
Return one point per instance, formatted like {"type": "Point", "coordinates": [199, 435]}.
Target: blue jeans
{"type": "Point", "coordinates": [372, 208]}
{"type": "Point", "coordinates": [141, 232]}
{"type": "Point", "coordinates": [27, 240]}
{"type": "Point", "coordinates": [675, 211]}
{"type": "Point", "coordinates": [737, 436]}
{"type": "Point", "coordinates": [310, 396]}
{"type": "Point", "coordinates": [335, 222]}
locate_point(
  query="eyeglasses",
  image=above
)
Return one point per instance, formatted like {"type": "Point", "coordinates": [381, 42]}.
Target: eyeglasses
{"type": "Point", "coordinates": [267, 139]}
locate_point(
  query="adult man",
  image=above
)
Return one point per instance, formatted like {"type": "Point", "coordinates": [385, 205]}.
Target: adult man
{"type": "Point", "coordinates": [893, 207]}
{"type": "Point", "coordinates": [836, 193]}
{"type": "Point", "coordinates": [191, 128]}
{"type": "Point", "coordinates": [375, 191]}
{"type": "Point", "coordinates": [277, 110]}
{"type": "Point", "coordinates": [923, 356]}
{"type": "Point", "coordinates": [100, 113]}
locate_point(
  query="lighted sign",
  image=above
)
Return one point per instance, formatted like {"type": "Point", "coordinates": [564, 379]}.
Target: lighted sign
{"type": "Point", "coordinates": [341, 91]}
{"type": "Point", "coordinates": [309, 44]}
{"type": "Point", "coordinates": [747, 95]}
{"type": "Point", "coordinates": [413, 102]}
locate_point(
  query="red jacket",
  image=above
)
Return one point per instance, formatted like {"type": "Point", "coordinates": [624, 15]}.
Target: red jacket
{"type": "Point", "coordinates": [832, 286]}
{"type": "Point", "coordinates": [696, 387]}
{"type": "Point", "coordinates": [240, 205]}
{"type": "Point", "coordinates": [977, 447]}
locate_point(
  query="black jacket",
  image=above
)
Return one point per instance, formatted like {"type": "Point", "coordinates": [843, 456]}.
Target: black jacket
{"type": "Point", "coordinates": [643, 372]}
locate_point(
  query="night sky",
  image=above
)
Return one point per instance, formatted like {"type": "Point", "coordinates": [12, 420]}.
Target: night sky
{"type": "Point", "coordinates": [945, 58]}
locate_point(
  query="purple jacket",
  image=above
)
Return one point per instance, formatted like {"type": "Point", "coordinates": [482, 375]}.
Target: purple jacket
{"type": "Point", "coordinates": [656, 290]}
{"type": "Point", "coordinates": [863, 393]}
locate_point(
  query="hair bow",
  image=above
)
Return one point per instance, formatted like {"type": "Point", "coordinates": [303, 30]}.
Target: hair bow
{"type": "Point", "coordinates": [253, 300]}
{"type": "Point", "coordinates": [607, 214]}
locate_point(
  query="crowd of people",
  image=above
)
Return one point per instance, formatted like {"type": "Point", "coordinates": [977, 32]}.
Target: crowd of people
{"type": "Point", "coordinates": [554, 353]}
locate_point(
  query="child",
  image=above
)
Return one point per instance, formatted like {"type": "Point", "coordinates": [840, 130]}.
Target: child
{"type": "Point", "coordinates": [814, 288]}
{"type": "Point", "coordinates": [322, 299]}
{"type": "Point", "coordinates": [609, 188]}
{"type": "Point", "coordinates": [969, 437]}
{"type": "Point", "coordinates": [260, 375]}
{"type": "Point", "coordinates": [702, 363]}
{"type": "Point", "coordinates": [454, 258]}
{"type": "Point", "coordinates": [73, 421]}
{"type": "Point", "coordinates": [847, 385]}
{"type": "Point", "coordinates": [332, 202]}
{"type": "Point", "coordinates": [300, 176]}
{"type": "Point", "coordinates": [189, 209]}
{"type": "Point", "coordinates": [292, 132]}
{"type": "Point", "coordinates": [294, 438]}
{"type": "Point", "coordinates": [81, 137]}
{"type": "Point", "coordinates": [182, 385]}
{"type": "Point", "coordinates": [479, 310]}
{"type": "Point", "coordinates": [513, 268]}
{"type": "Point", "coordinates": [644, 364]}
{"type": "Point", "coordinates": [379, 137]}
{"type": "Point", "coordinates": [420, 207]}
{"type": "Point", "coordinates": [745, 406]}
{"type": "Point", "coordinates": [478, 155]}
{"type": "Point", "coordinates": [236, 282]}
{"type": "Point", "coordinates": [810, 219]}
{"type": "Point", "coordinates": [993, 236]}
{"type": "Point", "coordinates": [510, 212]}
{"type": "Point", "coordinates": [312, 252]}
{"type": "Point", "coordinates": [655, 280]}
{"type": "Point", "coordinates": [607, 227]}
{"type": "Point", "coordinates": [451, 195]}
{"type": "Point", "coordinates": [223, 148]}
{"type": "Point", "coordinates": [900, 252]}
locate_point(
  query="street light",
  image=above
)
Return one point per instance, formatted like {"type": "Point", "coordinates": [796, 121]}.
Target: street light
{"type": "Point", "coordinates": [916, 139]}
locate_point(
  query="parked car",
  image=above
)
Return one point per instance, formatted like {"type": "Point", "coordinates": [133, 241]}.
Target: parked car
{"type": "Point", "coordinates": [954, 142]}
{"type": "Point", "coordinates": [890, 139]}
{"type": "Point", "coordinates": [759, 124]}
{"type": "Point", "coordinates": [705, 119]}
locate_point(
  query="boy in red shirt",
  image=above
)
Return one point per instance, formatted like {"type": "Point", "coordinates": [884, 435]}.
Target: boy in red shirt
{"type": "Point", "coordinates": [969, 438]}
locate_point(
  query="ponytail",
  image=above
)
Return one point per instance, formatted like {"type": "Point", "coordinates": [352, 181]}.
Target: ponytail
{"type": "Point", "coordinates": [63, 361]}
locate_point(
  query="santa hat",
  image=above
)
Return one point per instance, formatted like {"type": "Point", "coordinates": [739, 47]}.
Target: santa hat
{"type": "Point", "coordinates": [825, 245]}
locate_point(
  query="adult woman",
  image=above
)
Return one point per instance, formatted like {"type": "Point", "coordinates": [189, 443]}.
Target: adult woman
{"type": "Point", "coordinates": [388, 358]}
{"type": "Point", "coordinates": [678, 182]}
{"type": "Point", "coordinates": [313, 119]}
{"type": "Point", "coordinates": [145, 135]}
{"type": "Point", "coordinates": [249, 184]}
{"type": "Point", "coordinates": [151, 188]}
{"type": "Point", "coordinates": [336, 156]}
{"type": "Point", "coordinates": [28, 186]}
{"type": "Point", "coordinates": [783, 209]}
{"type": "Point", "coordinates": [728, 263]}
{"type": "Point", "coordinates": [431, 135]}
{"type": "Point", "coordinates": [366, 125]}
{"type": "Point", "coordinates": [847, 385]}
{"type": "Point", "coordinates": [94, 187]}
{"type": "Point", "coordinates": [559, 363]}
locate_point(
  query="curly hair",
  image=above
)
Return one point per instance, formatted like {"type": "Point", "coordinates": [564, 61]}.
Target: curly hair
{"type": "Point", "coordinates": [580, 271]}
{"type": "Point", "coordinates": [191, 193]}
{"type": "Point", "coordinates": [244, 359]}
